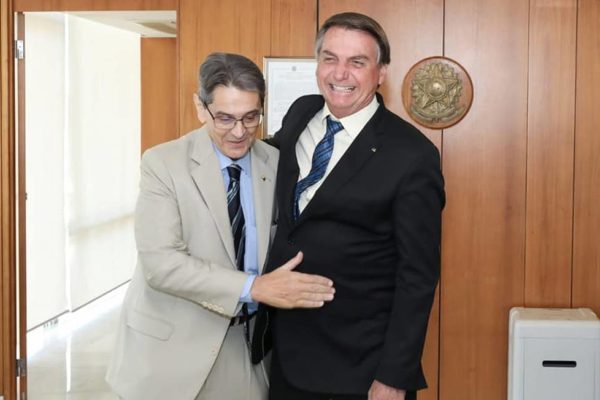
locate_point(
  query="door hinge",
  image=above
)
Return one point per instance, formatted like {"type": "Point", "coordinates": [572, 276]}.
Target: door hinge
{"type": "Point", "coordinates": [21, 367]}
{"type": "Point", "coordinates": [19, 49]}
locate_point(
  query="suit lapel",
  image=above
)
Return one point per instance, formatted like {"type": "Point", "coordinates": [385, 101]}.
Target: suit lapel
{"type": "Point", "coordinates": [290, 170]}
{"type": "Point", "coordinates": [207, 175]}
{"type": "Point", "coordinates": [263, 182]}
{"type": "Point", "coordinates": [288, 176]}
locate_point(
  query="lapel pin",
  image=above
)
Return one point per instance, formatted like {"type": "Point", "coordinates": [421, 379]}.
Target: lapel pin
{"type": "Point", "coordinates": [373, 149]}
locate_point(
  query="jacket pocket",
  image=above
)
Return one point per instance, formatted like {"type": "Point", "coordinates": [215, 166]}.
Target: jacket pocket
{"type": "Point", "coordinates": [149, 326]}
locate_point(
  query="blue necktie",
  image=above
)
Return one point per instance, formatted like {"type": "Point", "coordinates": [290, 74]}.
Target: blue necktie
{"type": "Point", "coordinates": [320, 160]}
{"type": "Point", "coordinates": [238, 228]}
{"type": "Point", "coordinates": [236, 214]}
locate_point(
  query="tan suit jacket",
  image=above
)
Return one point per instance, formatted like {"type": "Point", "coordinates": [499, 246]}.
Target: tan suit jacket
{"type": "Point", "coordinates": [186, 286]}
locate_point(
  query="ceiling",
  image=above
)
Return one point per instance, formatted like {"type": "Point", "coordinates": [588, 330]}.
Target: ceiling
{"type": "Point", "coordinates": [146, 23]}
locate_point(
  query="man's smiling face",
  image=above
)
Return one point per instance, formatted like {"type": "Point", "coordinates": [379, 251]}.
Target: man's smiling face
{"type": "Point", "coordinates": [348, 72]}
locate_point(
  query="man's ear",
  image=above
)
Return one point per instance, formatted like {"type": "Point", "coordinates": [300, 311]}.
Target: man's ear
{"type": "Point", "coordinates": [200, 110]}
{"type": "Point", "coordinates": [382, 73]}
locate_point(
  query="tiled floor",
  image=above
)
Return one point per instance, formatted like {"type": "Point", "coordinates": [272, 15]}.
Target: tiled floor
{"type": "Point", "coordinates": [68, 360]}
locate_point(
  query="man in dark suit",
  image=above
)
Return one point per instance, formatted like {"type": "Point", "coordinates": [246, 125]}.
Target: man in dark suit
{"type": "Point", "coordinates": [360, 193]}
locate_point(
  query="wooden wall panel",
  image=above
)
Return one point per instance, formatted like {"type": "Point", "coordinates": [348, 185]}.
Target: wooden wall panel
{"type": "Point", "coordinates": [93, 5]}
{"type": "Point", "coordinates": [550, 147]}
{"type": "Point", "coordinates": [217, 25]}
{"type": "Point", "coordinates": [160, 94]}
{"type": "Point", "coordinates": [484, 220]}
{"type": "Point", "coordinates": [293, 27]}
{"type": "Point", "coordinates": [586, 248]}
{"type": "Point", "coordinates": [414, 30]}
{"type": "Point", "coordinates": [4, 310]}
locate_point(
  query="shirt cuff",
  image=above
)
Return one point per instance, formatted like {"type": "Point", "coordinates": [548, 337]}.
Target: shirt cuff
{"type": "Point", "coordinates": [245, 297]}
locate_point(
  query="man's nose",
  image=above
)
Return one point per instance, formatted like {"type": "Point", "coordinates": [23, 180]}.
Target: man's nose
{"type": "Point", "coordinates": [238, 129]}
{"type": "Point", "coordinates": [341, 71]}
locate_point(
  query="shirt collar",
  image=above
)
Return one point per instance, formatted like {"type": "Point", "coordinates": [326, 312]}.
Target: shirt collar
{"type": "Point", "coordinates": [225, 161]}
{"type": "Point", "coordinates": [353, 123]}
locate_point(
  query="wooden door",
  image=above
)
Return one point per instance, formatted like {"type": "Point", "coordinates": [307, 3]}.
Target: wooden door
{"type": "Point", "coordinates": [8, 279]}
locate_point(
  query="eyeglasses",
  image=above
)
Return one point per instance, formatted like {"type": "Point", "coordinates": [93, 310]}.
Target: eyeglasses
{"type": "Point", "coordinates": [227, 122]}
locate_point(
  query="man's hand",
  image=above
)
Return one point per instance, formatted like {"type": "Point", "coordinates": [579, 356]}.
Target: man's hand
{"type": "Point", "coordinates": [379, 391]}
{"type": "Point", "coordinates": [285, 288]}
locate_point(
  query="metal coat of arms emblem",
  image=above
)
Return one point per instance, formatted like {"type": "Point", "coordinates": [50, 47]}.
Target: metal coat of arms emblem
{"type": "Point", "coordinates": [437, 92]}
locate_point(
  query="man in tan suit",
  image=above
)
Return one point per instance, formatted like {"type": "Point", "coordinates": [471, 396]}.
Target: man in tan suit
{"type": "Point", "coordinates": [202, 227]}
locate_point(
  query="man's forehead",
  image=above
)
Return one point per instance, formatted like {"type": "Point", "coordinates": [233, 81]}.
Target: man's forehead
{"type": "Point", "coordinates": [349, 42]}
{"type": "Point", "coordinates": [333, 52]}
{"type": "Point", "coordinates": [228, 94]}
{"type": "Point", "coordinates": [230, 106]}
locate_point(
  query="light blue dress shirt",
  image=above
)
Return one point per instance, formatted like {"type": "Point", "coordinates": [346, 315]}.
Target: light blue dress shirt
{"type": "Point", "coordinates": [251, 251]}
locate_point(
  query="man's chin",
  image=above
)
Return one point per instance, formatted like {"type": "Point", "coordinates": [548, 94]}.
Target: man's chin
{"type": "Point", "coordinates": [339, 111]}
{"type": "Point", "coordinates": [236, 152]}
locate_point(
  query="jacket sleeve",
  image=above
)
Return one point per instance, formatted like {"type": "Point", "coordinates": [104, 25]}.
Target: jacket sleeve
{"type": "Point", "coordinates": [417, 229]}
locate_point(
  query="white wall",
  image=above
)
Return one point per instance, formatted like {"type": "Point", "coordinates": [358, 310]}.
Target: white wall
{"type": "Point", "coordinates": [45, 122]}
{"type": "Point", "coordinates": [83, 148]}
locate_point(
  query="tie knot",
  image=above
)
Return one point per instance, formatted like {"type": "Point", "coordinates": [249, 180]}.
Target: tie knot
{"type": "Point", "coordinates": [234, 171]}
{"type": "Point", "coordinates": [333, 126]}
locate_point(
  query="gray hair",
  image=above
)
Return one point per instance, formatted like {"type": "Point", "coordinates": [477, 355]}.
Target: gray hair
{"type": "Point", "coordinates": [229, 70]}
{"type": "Point", "coordinates": [358, 22]}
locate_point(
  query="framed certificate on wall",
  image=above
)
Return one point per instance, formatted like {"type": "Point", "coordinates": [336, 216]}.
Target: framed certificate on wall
{"type": "Point", "coordinates": [287, 79]}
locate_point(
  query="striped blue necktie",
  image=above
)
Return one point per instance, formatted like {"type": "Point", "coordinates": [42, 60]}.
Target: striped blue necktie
{"type": "Point", "coordinates": [238, 228]}
{"type": "Point", "coordinates": [320, 160]}
{"type": "Point", "coordinates": [236, 214]}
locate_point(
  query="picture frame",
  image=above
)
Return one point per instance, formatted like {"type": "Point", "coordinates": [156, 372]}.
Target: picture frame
{"type": "Point", "coordinates": [287, 78]}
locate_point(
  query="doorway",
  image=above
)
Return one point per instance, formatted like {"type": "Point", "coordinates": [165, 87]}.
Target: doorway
{"type": "Point", "coordinates": [84, 112]}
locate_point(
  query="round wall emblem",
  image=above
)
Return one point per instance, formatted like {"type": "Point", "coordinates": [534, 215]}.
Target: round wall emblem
{"type": "Point", "coordinates": [437, 92]}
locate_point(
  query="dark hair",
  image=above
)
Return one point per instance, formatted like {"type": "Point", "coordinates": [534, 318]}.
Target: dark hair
{"type": "Point", "coordinates": [359, 22]}
{"type": "Point", "coordinates": [230, 70]}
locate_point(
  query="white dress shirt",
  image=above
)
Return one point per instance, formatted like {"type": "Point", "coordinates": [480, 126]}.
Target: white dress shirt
{"type": "Point", "coordinates": [315, 131]}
